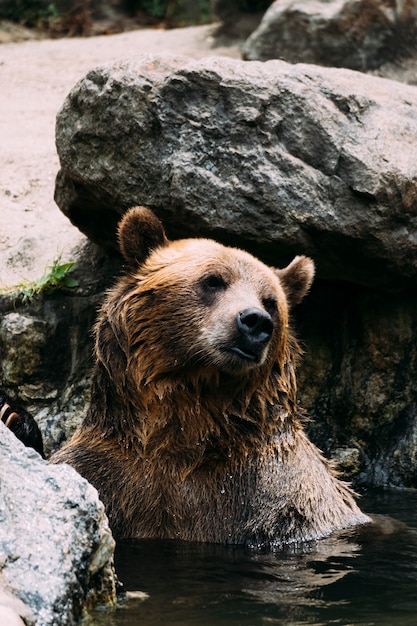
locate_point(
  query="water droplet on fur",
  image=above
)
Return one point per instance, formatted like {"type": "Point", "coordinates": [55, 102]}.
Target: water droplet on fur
{"type": "Point", "coordinates": [222, 491]}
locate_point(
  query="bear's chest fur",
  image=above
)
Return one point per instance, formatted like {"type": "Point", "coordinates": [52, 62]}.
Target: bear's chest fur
{"type": "Point", "coordinates": [280, 493]}
{"type": "Point", "coordinates": [198, 500]}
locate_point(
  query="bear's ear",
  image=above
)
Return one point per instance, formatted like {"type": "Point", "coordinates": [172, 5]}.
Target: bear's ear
{"type": "Point", "coordinates": [296, 278]}
{"type": "Point", "coordinates": [140, 232]}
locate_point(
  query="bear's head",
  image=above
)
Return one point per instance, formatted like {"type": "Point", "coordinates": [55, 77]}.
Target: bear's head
{"type": "Point", "coordinates": [195, 308]}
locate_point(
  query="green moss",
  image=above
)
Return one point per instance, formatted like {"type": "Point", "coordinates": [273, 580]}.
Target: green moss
{"type": "Point", "coordinates": [55, 277]}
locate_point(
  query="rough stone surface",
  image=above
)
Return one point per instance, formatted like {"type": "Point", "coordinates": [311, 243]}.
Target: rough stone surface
{"type": "Point", "coordinates": [56, 549]}
{"type": "Point", "coordinates": [275, 158]}
{"type": "Point", "coordinates": [357, 380]}
{"type": "Point", "coordinates": [358, 34]}
{"type": "Point", "coordinates": [46, 347]}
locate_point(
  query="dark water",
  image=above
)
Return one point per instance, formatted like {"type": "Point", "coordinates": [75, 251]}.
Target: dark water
{"type": "Point", "coordinates": [355, 578]}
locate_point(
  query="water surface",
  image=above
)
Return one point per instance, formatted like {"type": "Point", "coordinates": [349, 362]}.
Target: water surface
{"type": "Point", "coordinates": [354, 578]}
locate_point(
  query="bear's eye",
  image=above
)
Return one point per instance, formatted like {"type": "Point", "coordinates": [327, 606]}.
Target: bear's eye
{"type": "Point", "coordinates": [209, 287]}
{"type": "Point", "coordinates": [212, 283]}
{"type": "Point", "coordinates": [270, 305]}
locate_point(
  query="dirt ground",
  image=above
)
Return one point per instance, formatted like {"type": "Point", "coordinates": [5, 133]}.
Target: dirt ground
{"type": "Point", "coordinates": [35, 77]}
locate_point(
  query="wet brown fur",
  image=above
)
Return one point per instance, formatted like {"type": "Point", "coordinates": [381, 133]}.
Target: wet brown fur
{"type": "Point", "coordinates": [183, 441]}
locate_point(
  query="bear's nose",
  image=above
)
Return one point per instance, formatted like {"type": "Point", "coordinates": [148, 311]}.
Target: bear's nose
{"type": "Point", "coordinates": [255, 324]}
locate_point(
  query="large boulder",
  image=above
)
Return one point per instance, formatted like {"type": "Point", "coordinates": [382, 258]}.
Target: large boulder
{"type": "Point", "coordinates": [358, 34]}
{"type": "Point", "coordinates": [275, 158]}
{"type": "Point", "coordinates": [56, 549]}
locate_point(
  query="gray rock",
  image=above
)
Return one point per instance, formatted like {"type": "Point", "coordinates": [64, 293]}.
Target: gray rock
{"type": "Point", "coordinates": [56, 549]}
{"type": "Point", "coordinates": [357, 380]}
{"type": "Point", "coordinates": [274, 158]}
{"type": "Point", "coordinates": [47, 348]}
{"type": "Point", "coordinates": [357, 34]}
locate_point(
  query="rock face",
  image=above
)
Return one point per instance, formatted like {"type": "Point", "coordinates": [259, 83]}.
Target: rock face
{"type": "Point", "coordinates": [56, 549]}
{"type": "Point", "coordinates": [357, 380]}
{"type": "Point", "coordinates": [357, 34]}
{"type": "Point", "coordinates": [46, 348]}
{"type": "Point", "coordinates": [275, 158]}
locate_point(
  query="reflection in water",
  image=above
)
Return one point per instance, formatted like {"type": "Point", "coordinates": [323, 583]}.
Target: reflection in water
{"type": "Point", "coordinates": [363, 577]}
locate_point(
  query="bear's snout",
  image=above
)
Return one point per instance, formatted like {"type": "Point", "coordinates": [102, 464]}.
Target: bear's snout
{"type": "Point", "coordinates": [255, 330]}
{"type": "Point", "coordinates": [255, 324]}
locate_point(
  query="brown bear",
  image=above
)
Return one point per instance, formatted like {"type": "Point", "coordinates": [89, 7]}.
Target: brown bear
{"type": "Point", "coordinates": [193, 431]}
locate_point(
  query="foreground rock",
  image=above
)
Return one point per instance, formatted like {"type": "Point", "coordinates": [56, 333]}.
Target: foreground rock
{"type": "Point", "coordinates": [358, 34]}
{"type": "Point", "coordinates": [56, 549]}
{"type": "Point", "coordinates": [278, 159]}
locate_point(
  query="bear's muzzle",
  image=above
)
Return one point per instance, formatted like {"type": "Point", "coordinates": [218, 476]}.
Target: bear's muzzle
{"type": "Point", "coordinates": [255, 331]}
